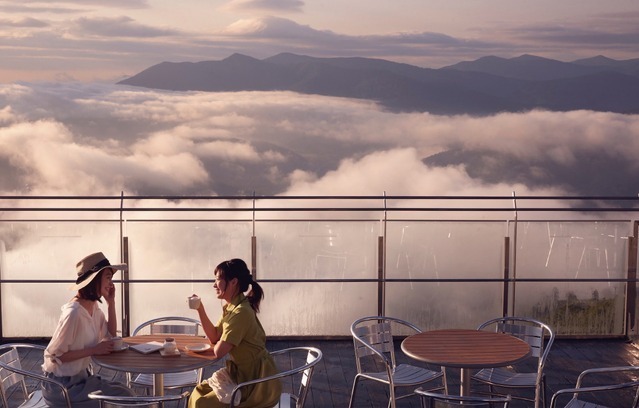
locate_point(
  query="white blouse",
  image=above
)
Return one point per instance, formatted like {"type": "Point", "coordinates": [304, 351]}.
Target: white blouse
{"type": "Point", "coordinates": [77, 329]}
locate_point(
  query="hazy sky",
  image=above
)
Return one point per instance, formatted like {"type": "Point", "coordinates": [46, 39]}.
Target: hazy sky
{"type": "Point", "coordinates": [93, 40]}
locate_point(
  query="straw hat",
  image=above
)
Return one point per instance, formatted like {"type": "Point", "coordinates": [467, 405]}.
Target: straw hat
{"type": "Point", "coordinates": [89, 267]}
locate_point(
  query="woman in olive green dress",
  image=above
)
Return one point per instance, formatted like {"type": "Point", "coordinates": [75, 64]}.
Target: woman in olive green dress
{"type": "Point", "coordinates": [238, 333]}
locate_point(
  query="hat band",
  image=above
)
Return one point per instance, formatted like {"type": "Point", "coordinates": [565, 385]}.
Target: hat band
{"type": "Point", "coordinates": [100, 265]}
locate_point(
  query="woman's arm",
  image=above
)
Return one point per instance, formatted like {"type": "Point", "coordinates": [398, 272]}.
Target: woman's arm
{"type": "Point", "coordinates": [112, 321]}
{"type": "Point", "coordinates": [104, 347]}
{"type": "Point", "coordinates": [209, 328]}
{"type": "Point", "coordinates": [222, 348]}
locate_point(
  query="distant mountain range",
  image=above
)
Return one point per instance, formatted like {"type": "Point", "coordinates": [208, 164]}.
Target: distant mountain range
{"type": "Point", "coordinates": [485, 86]}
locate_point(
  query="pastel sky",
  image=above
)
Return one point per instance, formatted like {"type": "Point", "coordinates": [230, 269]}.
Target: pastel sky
{"type": "Point", "coordinates": [98, 40]}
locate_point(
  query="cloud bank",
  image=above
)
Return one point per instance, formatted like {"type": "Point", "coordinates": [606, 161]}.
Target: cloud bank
{"type": "Point", "coordinates": [103, 139]}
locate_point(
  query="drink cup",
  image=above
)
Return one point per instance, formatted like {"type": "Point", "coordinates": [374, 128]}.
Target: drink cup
{"type": "Point", "coordinates": [194, 302]}
{"type": "Point", "coordinates": [117, 342]}
{"type": "Point", "coordinates": [169, 345]}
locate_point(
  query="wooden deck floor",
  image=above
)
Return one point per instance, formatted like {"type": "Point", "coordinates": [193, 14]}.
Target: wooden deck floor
{"type": "Point", "coordinates": [333, 378]}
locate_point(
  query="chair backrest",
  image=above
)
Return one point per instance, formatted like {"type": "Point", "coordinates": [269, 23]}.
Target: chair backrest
{"type": "Point", "coordinates": [112, 401]}
{"type": "Point", "coordinates": [373, 336]}
{"type": "Point", "coordinates": [608, 388]}
{"type": "Point", "coordinates": [8, 378]}
{"type": "Point", "coordinates": [435, 400]}
{"type": "Point", "coordinates": [12, 372]}
{"type": "Point", "coordinates": [309, 356]}
{"type": "Point", "coordinates": [537, 334]}
{"type": "Point", "coordinates": [170, 325]}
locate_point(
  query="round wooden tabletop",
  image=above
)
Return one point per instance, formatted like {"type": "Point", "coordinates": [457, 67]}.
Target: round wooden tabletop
{"type": "Point", "coordinates": [461, 348]}
{"type": "Point", "coordinates": [154, 363]}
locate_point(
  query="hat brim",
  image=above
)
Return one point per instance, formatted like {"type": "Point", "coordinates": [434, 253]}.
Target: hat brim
{"type": "Point", "coordinates": [116, 267]}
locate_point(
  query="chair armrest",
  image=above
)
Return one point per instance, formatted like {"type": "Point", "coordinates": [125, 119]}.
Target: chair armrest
{"type": "Point", "coordinates": [98, 395]}
{"type": "Point", "coordinates": [584, 390]}
{"type": "Point", "coordinates": [40, 378]}
{"type": "Point", "coordinates": [282, 374]}
{"type": "Point", "coordinates": [603, 370]}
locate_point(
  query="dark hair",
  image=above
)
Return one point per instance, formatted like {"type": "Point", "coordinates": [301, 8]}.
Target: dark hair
{"type": "Point", "coordinates": [236, 268]}
{"type": "Point", "coordinates": [92, 290]}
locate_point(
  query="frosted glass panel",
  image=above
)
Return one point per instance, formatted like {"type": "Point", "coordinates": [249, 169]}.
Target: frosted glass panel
{"type": "Point", "coordinates": [50, 250]}
{"type": "Point", "coordinates": [445, 250]}
{"type": "Point", "coordinates": [317, 250]}
{"type": "Point", "coordinates": [46, 250]}
{"type": "Point", "coordinates": [325, 309]}
{"type": "Point", "coordinates": [33, 309]}
{"type": "Point", "coordinates": [179, 250]}
{"type": "Point", "coordinates": [573, 250]}
{"type": "Point", "coordinates": [185, 250]}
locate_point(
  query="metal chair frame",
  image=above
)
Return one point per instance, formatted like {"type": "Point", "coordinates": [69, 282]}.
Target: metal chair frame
{"type": "Point", "coordinates": [575, 402]}
{"type": "Point", "coordinates": [313, 357]}
{"type": "Point", "coordinates": [435, 400]}
{"type": "Point", "coordinates": [372, 337]}
{"type": "Point", "coordinates": [112, 401]}
{"type": "Point", "coordinates": [12, 373]}
{"type": "Point", "coordinates": [540, 337]}
{"type": "Point", "coordinates": [178, 380]}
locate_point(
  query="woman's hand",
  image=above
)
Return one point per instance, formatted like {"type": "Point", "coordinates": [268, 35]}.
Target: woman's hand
{"type": "Point", "coordinates": [110, 296]}
{"type": "Point", "coordinates": [103, 347]}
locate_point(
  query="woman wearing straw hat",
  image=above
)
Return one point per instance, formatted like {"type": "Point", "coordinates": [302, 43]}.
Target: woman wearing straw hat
{"type": "Point", "coordinates": [83, 331]}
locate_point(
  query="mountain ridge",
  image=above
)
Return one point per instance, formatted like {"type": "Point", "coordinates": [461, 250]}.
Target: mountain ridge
{"type": "Point", "coordinates": [484, 86]}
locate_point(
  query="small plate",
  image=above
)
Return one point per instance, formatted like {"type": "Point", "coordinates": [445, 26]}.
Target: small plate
{"type": "Point", "coordinates": [174, 353]}
{"type": "Point", "coordinates": [124, 347]}
{"type": "Point", "coordinates": [198, 348]}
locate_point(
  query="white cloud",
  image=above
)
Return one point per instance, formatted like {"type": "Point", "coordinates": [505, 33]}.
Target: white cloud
{"type": "Point", "coordinates": [75, 139]}
{"type": "Point", "coordinates": [117, 27]}
{"type": "Point", "coordinates": [397, 172]}
{"type": "Point", "coordinates": [268, 5]}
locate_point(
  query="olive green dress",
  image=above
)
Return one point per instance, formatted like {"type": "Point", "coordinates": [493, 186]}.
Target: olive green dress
{"type": "Point", "coordinates": [248, 360]}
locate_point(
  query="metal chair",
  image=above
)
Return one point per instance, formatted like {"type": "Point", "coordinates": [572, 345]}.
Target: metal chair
{"type": "Point", "coordinates": [112, 401]}
{"type": "Point", "coordinates": [12, 373]}
{"type": "Point", "coordinates": [287, 400]}
{"type": "Point", "coordinates": [168, 325]}
{"type": "Point", "coordinates": [540, 337]}
{"type": "Point", "coordinates": [575, 402]}
{"type": "Point", "coordinates": [373, 340]}
{"type": "Point", "coordinates": [435, 400]}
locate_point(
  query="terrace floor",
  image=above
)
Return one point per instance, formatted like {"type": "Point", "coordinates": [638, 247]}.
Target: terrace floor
{"type": "Point", "coordinates": [333, 377]}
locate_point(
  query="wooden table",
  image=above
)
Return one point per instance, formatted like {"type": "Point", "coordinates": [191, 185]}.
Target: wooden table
{"type": "Point", "coordinates": [154, 363]}
{"type": "Point", "coordinates": [466, 349]}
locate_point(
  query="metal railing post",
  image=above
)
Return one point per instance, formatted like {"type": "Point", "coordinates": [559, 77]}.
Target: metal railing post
{"type": "Point", "coordinates": [126, 293]}
{"type": "Point", "coordinates": [631, 285]}
{"type": "Point", "coordinates": [506, 275]}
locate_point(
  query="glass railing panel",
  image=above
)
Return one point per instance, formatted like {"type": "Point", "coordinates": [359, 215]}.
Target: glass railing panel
{"type": "Point", "coordinates": [151, 300]}
{"type": "Point", "coordinates": [50, 249]}
{"type": "Point", "coordinates": [310, 251]}
{"type": "Point", "coordinates": [184, 250]}
{"type": "Point", "coordinates": [444, 305]}
{"type": "Point", "coordinates": [33, 309]}
{"type": "Point", "coordinates": [166, 250]}
{"type": "Point", "coordinates": [46, 250]}
{"type": "Point", "coordinates": [313, 309]}
{"type": "Point", "coordinates": [439, 251]}
{"type": "Point", "coordinates": [573, 251]}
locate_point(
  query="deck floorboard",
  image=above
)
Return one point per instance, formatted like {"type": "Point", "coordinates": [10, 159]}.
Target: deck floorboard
{"type": "Point", "coordinates": [333, 377]}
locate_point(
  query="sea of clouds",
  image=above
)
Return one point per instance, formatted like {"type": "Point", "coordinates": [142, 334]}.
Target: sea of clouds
{"type": "Point", "coordinates": [76, 138]}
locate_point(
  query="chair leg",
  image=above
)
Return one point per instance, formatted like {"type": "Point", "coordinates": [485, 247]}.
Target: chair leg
{"type": "Point", "coordinates": [350, 403]}
{"type": "Point", "coordinates": [444, 380]}
{"type": "Point", "coordinates": [391, 400]}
